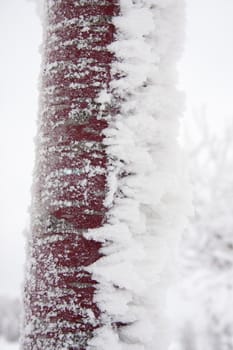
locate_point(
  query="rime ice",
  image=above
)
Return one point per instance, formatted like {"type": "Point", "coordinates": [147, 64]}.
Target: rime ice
{"type": "Point", "coordinates": [110, 195]}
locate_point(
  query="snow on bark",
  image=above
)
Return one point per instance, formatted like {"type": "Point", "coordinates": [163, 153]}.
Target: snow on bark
{"type": "Point", "coordinates": [148, 196]}
{"type": "Point", "coordinates": [69, 177]}
{"type": "Point", "coordinates": [110, 192]}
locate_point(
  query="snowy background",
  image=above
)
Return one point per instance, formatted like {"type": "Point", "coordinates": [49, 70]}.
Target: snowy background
{"type": "Point", "coordinates": [206, 76]}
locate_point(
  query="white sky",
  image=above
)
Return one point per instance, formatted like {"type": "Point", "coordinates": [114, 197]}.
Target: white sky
{"type": "Point", "coordinates": [206, 68]}
{"type": "Point", "coordinates": [206, 73]}
{"type": "Point", "coordinates": [19, 67]}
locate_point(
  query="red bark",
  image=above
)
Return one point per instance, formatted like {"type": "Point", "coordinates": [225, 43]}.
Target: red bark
{"type": "Point", "coordinates": [70, 176]}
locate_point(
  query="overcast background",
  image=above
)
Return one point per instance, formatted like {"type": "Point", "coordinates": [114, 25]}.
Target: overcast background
{"type": "Point", "coordinates": [206, 75]}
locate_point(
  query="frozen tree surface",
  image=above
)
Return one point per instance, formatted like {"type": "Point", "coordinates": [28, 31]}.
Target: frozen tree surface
{"type": "Point", "coordinates": [147, 209]}
{"type": "Point", "coordinates": [110, 194]}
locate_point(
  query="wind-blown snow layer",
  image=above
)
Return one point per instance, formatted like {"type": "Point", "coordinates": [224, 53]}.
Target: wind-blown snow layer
{"type": "Point", "coordinates": [148, 194]}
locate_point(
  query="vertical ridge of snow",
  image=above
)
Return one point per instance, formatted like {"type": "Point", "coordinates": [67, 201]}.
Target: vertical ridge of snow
{"type": "Point", "coordinates": [148, 197]}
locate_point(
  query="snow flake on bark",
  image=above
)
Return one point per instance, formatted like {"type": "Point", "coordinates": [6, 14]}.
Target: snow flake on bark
{"type": "Point", "coordinates": [69, 177]}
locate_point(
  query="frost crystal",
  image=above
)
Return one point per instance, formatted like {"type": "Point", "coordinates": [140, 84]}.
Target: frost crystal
{"type": "Point", "coordinates": [148, 195]}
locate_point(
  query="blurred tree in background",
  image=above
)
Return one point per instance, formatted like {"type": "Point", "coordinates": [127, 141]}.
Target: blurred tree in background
{"type": "Point", "coordinates": [206, 294]}
{"type": "Point", "coordinates": [9, 318]}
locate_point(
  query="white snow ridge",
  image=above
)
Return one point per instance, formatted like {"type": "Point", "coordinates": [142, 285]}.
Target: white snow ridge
{"type": "Point", "coordinates": [149, 197]}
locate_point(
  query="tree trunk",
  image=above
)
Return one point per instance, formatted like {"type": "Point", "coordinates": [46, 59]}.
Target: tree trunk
{"type": "Point", "coordinates": [109, 196]}
{"type": "Point", "coordinates": [69, 177]}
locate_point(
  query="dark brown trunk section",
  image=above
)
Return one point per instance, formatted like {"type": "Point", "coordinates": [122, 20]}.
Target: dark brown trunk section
{"type": "Point", "coordinates": [70, 176]}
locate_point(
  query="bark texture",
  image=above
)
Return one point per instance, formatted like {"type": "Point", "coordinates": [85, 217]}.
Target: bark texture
{"type": "Point", "coordinates": [69, 177]}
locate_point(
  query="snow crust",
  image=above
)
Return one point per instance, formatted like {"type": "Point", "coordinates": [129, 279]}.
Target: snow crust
{"type": "Point", "coordinates": [148, 192]}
